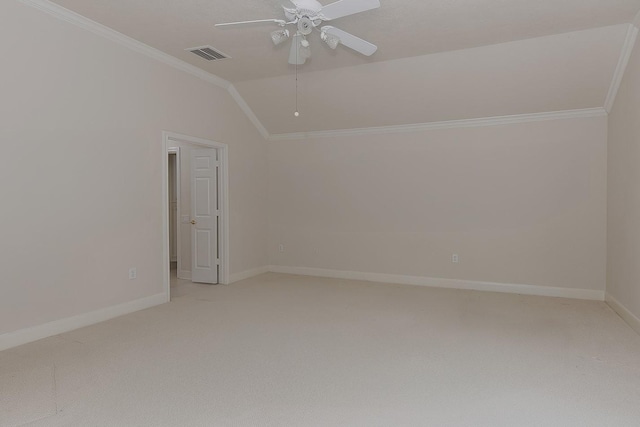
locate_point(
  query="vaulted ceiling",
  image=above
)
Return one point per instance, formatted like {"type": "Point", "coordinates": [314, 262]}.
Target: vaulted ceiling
{"type": "Point", "coordinates": [437, 59]}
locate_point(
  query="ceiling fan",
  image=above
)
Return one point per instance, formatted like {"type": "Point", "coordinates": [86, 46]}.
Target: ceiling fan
{"type": "Point", "coordinates": [308, 15]}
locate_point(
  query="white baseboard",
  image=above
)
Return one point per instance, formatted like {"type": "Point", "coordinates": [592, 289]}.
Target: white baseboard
{"type": "Point", "coordinates": [24, 336]}
{"type": "Point", "coordinates": [546, 291]}
{"type": "Point", "coordinates": [35, 333]}
{"type": "Point", "coordinates": [236, 277]}
{"type": "Point", "coordinates": [184, 274]}
{"type": "Point", "coordinates": [623, 312]}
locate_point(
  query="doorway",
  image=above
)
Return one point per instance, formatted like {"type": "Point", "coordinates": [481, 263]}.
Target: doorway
{"type": "Point", "coordinates": [195, 210]}
{"type": "Point", "coordinates": [174, 212]}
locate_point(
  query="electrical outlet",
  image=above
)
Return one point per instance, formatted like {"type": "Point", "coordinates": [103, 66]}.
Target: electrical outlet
{"type": "Point", "coordinates": [455, 258]}
{"type": "Point", "coordinates": [281, 247]}
{"type": "Point", "coordinates": [133, 273]}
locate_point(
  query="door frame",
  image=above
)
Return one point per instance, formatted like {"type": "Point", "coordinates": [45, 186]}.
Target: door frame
{"type": "Point", "coordinates": [223, 194]}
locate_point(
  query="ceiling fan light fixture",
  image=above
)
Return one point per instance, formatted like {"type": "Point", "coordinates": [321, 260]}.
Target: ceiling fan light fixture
{"type": "Point", "coordinates": [331, 40]}
{"type": "Point", "coordinates": [279, 36]}
{"type": "Point", "coordinates": [309, 15]}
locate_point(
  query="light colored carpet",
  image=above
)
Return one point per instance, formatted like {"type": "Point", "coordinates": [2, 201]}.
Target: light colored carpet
{"type": "Point", "coordinates": [280, 350]}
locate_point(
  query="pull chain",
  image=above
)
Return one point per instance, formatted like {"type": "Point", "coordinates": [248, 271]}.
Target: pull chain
{"type": "Point", "coordinates": [297, 49]}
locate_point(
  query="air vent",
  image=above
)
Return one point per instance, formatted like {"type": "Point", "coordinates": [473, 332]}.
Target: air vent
{"type": "Point", "coordinates": [208, 53]}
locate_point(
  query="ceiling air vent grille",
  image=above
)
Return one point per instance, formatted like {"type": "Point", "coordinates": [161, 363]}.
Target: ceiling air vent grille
{"type": "Point", "coordinates": [208, 53]}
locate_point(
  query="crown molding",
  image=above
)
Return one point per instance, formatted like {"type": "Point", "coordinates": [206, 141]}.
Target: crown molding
{"type": "Point", "coordinates": [248, 111]}
{"type": "Point", "coordinates": [450, 124]}
{"type": "Point", "coordinates": [636, 20]}
{"type": "Point", "coordinates": [108, 33]}
{"type": "Point", "coordinates": [78, 20]}
{"type": "Point", "coordinates": [625, 55]}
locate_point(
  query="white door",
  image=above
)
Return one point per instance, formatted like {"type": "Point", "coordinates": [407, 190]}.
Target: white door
{"type": "Point", "coordinates": [205, 216]}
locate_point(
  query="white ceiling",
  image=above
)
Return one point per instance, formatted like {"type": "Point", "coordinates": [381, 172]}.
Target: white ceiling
{"type": "Point", "coordinates": [437, 59]}
{"type": "Point", "coordinates": [401, 28]}
{"type": "Point", "coordinates": [552, 73]}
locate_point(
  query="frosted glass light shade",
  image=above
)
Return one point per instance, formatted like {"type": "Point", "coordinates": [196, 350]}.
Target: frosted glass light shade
{"type": "Point", "coordinates": [279, 36]}
{"type": "Point", "coordinates": [331, 40]}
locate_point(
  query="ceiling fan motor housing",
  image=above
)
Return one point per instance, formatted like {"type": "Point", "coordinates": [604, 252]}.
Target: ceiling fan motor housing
{"type": "Point", "coordinates": [305, 25]}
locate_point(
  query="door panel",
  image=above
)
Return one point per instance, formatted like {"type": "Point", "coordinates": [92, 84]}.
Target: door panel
{"type": "Point", "coordinates": [204, 228]}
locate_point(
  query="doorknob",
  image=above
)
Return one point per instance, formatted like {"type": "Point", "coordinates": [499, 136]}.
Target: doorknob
{"type": "Point", "coordinates": [193, 221]}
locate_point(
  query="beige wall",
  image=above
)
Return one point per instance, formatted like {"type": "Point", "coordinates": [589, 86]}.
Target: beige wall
{"type": "Point", "coordinates": [81, 184]}
{"type": "Point", "coordinates": [623, 267]}
{"type": "Point", "coordinates": [520, 204]}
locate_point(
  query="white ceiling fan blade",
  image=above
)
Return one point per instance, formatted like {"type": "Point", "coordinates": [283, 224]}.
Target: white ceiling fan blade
{"type": "Point", "coordinates": [348, 7]}
{"type": "Point", "coordinates": [294, 54]}
{"type": "Point", "coordinates": [229, 24]}
{"type": "Point", "coordinates": [307, 4]}
{"type": "Point", "coordinates": [351, 41]}
{"type": "Point", "coordinates": [289, 13]}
